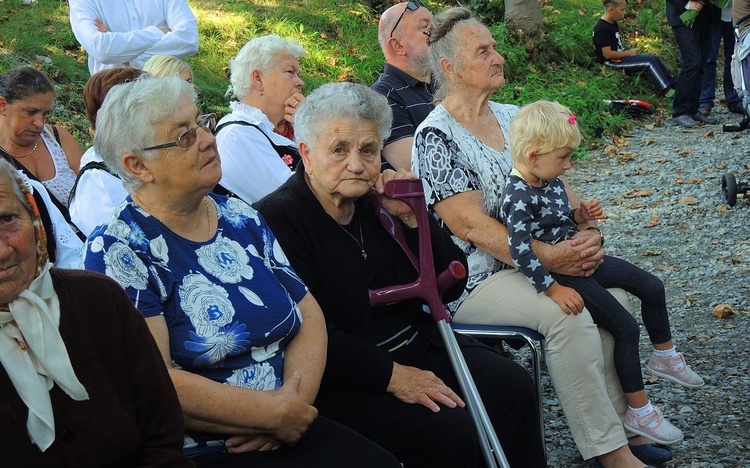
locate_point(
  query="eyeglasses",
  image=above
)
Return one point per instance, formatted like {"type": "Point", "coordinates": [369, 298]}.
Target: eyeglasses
{"type": "Point", "coordinates": [207, 123]}
{"type": "Point", "coordinates": [411, 6]}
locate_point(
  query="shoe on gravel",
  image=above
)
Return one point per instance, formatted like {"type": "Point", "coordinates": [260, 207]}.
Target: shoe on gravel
{"type": "Point", "coordinates": [685, 121]}
{"type": "Point", "coordinates": [674, 369]}
{"type": "Point", "coordinates": [653, 426]}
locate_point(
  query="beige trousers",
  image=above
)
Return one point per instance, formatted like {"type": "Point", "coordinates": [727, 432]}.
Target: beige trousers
{"type": "Point", "coordinates": [578, 355]}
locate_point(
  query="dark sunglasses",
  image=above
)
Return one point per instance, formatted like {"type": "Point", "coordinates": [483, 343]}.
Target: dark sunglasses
{"type": "Point", "coordinates": [411, 6]}
{"type": "Point", "coordinates": [206, 122]}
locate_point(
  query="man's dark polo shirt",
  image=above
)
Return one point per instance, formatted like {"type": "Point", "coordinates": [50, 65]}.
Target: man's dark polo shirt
{"type": "Point", "coordinates": [409, 98]}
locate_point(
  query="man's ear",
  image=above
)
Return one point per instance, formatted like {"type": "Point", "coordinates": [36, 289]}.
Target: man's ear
{"type": "Point", "coordinates": [3, 105]}
{"type": "Point", "coordinates": [396, 46]}
{"type": "Point", "coordinates": [137, 165]}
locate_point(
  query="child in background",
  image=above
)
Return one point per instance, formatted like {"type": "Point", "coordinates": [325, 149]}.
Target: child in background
{"type": "Point", "coordinates": [168, 65]}
{"type": "Point", "coordinates": [609, 50]}
{"type": "Point", "coordinates": [535, 206]}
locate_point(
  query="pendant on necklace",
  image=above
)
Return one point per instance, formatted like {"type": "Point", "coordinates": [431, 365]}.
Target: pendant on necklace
{"type": "Point", "coordinates": [364, 254]}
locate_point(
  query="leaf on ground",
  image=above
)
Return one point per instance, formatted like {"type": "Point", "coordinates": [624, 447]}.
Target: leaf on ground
{"type": "Point", "coordinates": [723, 311]}
{"type": "Point", "coordinates": [638, 193]}
{"type": "Point", "coordinates": [651, 253]}
{"type": "Point", "coordinates": [689, 201]}
{"type": "Point", "coordinates": [721, 166]}
{"type": "Point", "coordinates": [626, 157]}
{"type": "Point", "coordinates": [684, 153]}
{"type": "Point", "coordinates": [655, 221]}
{"type": "Point", "coordinates": [618, 140]}
{"type": "Point", "coordinates": [708, 134]}
{"type": "Point", "coordinates": [611, 149]}
{"type": "Point", "coordinates": [694, 180]}
{"type": "Point", "coordinates": [652, 379]}
{"type": "Point", "coordinates": [636, 206]}
{"type": "Point", "coordinates": [649, 142]}
{"type": "Point", "coordinates": [735, 136]}
{"type": "Point", "coordinates": [662, 160]}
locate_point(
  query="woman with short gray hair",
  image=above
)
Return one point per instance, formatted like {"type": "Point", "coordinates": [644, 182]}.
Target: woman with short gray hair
{"type": "Point", "coordinates": [387, 375]}
{"type": "Point", "coordinates": [235, 325]}
{"type": "Point", "coordinates": [256, 140]}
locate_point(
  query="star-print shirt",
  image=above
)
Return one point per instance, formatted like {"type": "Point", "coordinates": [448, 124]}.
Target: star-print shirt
{"type": "Point", "coordinates": [230, 303]}
{"type": "Point", "coordinates": [541, 213]}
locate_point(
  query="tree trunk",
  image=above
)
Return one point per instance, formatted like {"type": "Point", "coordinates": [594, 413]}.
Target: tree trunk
{"type": "Point", "coordinates": [523, 19]}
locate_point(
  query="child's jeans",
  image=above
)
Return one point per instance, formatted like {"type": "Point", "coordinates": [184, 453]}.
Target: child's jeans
{"type": "Point", "coordinates": [651, 65]}
{"type": "Point", "coordinates": [610, 315]}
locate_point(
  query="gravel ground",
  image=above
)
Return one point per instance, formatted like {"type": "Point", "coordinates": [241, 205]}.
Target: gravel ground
{"type": "Point", "coordinates": [663, 183]}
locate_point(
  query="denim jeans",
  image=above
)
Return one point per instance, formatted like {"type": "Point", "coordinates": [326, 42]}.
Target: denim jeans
{"type": "Point", "coordinates": [719, 30]}
{"type": "Point", "coordinates": [613, 317]}
{"type": "Point", "coordinates": [694, 51]}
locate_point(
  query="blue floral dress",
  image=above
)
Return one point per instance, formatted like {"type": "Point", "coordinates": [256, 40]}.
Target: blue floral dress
{"type": "Point", "coordinates": [230, 303]}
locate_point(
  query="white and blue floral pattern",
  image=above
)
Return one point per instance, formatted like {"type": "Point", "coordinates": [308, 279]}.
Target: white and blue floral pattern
{"type": "Point", "coordinates": [450, 160]}
{"type": "Point", "coordinates": [230, 303]}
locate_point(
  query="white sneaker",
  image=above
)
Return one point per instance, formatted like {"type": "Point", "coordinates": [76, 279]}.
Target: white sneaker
{"type": "Point", "coordinates": [652, 425]}
{"type": "Point", "coordinates": [666, 367]}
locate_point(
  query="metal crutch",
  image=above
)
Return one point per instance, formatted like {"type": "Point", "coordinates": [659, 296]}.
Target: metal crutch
{"type": "Point", "coordinates": [430, 288]}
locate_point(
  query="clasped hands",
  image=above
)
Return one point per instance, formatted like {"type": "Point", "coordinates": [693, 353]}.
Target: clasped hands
{"type": "Point", "coordinates": [294, 417]}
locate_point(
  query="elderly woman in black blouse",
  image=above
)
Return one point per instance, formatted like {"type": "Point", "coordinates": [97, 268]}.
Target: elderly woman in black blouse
{"type": "Point", "coordinates": [387, 374]}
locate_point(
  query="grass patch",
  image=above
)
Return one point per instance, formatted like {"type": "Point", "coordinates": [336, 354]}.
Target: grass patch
{"type": "Point", "coordinates": [340, 39]}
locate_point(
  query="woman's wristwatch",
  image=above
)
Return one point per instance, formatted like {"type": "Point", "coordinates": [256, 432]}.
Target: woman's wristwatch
{"type": "Point", "coordinates": [601, 233]}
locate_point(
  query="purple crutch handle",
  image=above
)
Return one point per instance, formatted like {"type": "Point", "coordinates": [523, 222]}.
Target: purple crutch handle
{"type": "Point", "coordinates": [428, 286]}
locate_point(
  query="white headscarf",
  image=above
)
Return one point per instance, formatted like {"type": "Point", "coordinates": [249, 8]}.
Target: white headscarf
{"type": "Point", "coordinates": [31, 348]}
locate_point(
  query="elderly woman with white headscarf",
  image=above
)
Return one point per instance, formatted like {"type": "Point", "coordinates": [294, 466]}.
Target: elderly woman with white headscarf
{"type": "Point", "coordinates": [256, 140]}
{"type": "Point", "coordinates": [81, 377]}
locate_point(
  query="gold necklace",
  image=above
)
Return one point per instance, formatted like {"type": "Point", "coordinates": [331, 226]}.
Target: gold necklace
{"type": "Point", "coordinates": [208, 217]}
{"type": "Point", "coordinates": [36, 143]}
{"type": "Point", "coordinates": [360, 242]}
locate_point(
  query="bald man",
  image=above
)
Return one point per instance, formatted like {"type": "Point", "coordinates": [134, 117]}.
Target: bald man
{"type": "Point", "coordinates": [406, 79]}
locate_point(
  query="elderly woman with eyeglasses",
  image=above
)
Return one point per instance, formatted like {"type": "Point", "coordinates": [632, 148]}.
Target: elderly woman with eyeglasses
{"type": "Point", "coordinates": [461, 152]}
{"type": "Point", "coordinates": [81, 379]}
{"type": "Point", "coordinates": [256, 140]}
{"type": "Point", "coordinates": [388, 375]}
{"type": "Point", "coordinates": [243, 339]}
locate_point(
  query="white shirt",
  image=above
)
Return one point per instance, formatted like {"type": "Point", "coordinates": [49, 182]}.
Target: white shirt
{"type": "Point", "coordinates": [97, 195]}
{"type": "Point", "coordinates": [68, 245]}
{"type": "Point", "coordinates": [134, 31]}
{"type": "Point", "coordinates": [251, 168]}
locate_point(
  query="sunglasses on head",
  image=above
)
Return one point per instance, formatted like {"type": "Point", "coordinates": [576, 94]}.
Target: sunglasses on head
{"type": "Point", "coordinates": [411, 6]}
{"type": "Point", "coordinates": [206, 122]}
